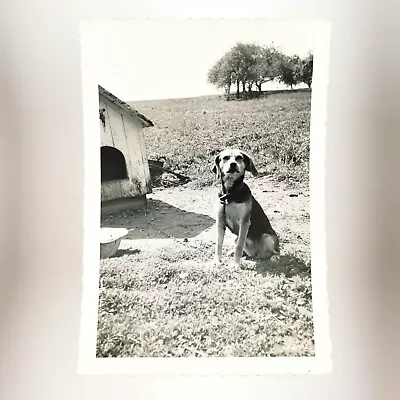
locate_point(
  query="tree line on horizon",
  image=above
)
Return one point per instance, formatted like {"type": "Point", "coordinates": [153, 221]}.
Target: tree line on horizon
{"type": "Point", "coordinates": [247, 66]}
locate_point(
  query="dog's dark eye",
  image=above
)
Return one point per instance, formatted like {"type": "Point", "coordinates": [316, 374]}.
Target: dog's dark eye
{"type": "Point", "coordinates": [238, 158]}
{"type": "Point", "coordinates": [226, 158]}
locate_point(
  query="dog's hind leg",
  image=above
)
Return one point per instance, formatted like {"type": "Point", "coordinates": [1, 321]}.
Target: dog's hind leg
{"type": "Point", "coordinates": [249, 248]}
{"type": "Point", "coordinates": [269, 247]}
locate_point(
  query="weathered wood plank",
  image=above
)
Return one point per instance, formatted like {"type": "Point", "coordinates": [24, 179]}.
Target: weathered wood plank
{"type": "Point", "coordinates": [129, 188]}
{"type": "Point", "coordinates": [106, 138]}
{"type": "Point", "coordinates": [145, 161]}
{"type": "Point", "coordinates": [117, 130]}
{"type": "Point", "coordinates": [106, 191]}
{"type": "Point", "coordinates": [133, 130]}
{"type": "Point", "coordinates": [114, 189]}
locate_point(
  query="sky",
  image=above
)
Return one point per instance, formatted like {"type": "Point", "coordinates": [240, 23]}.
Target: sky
{"type": "Point", "coordinates": [163, 59]}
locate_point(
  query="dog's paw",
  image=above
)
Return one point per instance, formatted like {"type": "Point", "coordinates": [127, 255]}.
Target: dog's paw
{"type": "Point", "coordinates": [275, 258]}
{"type": "Point", "coordinates": [232, 254]}
{"type": "Point", "coordinates": [234, 264]}
{"type": "Point", "coordinates": [216, 261]}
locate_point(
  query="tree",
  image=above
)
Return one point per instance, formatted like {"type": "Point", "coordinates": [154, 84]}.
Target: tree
{"type": "Point", "coordinates": [242, 58]}
{"type": "Point", "coordinates": [305, 70]}
{"type": "Point", "coordinates": [266, 67]}
{"type": "Point", "coordinates": [249, 65]}
{"type": "Point", "coordinates": [233, 68]}
{"type": "Point", "coordinates": [288, 68]}
{"type": "Point", "coordinates": [221, 74]}
{"type": "Point", "coordinates": [245, 66]}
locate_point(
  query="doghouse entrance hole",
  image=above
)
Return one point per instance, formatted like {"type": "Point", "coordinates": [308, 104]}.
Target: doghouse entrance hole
{"type": "Point", "coordinates": [113, 165]}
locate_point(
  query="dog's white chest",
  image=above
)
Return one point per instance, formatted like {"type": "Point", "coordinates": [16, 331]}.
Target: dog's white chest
{"type": "Point", "coordinates": [234, 214]}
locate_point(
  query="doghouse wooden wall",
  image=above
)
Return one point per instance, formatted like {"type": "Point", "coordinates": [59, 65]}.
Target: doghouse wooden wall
{"type": "Point", "coordinates": [125, 132]}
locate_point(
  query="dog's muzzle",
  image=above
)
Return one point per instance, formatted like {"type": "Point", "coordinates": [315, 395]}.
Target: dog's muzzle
{"type": "Point", "coordinates": [233, 168]}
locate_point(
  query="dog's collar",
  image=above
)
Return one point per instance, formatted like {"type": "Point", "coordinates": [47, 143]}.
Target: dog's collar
{"type": "Point", "coordinates": [238, 192]}
{"type": "Point", "coordinates": [225, 198]}
{"type": "Point", "coordinates": [237, 195]}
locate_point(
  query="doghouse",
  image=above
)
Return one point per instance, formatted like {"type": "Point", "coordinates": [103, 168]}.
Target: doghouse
{"type": "Point", "coordinates": [125, 175]}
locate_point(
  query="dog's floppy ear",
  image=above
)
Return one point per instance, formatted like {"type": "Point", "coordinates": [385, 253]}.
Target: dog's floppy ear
{"type": "Point", "coordinates": [215, 168]}
{"type": "Point", "coordinates": [249, 164]}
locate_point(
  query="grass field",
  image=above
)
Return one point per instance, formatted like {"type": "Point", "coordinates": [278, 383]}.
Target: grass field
{"type": "Point", "coordinates": [189, 132]}
{"type": "Point", "coordinates": [160, 296]}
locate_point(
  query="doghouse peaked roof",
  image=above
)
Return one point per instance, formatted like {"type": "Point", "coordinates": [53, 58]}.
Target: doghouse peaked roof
{"type": "Point", "coordinates": [126, 107]}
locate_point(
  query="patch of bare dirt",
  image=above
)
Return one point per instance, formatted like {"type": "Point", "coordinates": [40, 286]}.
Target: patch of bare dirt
{"type": "Point", "coordinates": [188, 214]}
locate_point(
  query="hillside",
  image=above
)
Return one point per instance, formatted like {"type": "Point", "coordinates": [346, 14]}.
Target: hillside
{"type": "Point", "coordinates": [189, 132]}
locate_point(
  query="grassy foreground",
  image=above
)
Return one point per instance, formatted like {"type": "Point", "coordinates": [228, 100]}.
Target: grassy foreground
{"type": "Point", "coordinates": [172, 302]}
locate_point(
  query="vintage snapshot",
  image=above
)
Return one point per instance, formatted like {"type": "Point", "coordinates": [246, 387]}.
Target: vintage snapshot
{"type": "Point", "coordinates": [203, 196]}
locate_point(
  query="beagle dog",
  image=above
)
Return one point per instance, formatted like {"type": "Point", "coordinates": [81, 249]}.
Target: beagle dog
{"type": "Point", "coordinates": [238, 210]}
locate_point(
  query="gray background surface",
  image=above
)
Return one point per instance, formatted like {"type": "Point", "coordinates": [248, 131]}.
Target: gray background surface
{"type": "Point", "coordinates": [41, 175]}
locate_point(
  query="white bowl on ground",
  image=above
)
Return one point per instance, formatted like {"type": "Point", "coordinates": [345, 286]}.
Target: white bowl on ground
{"type": "Point", "coordinates": [110, 239]}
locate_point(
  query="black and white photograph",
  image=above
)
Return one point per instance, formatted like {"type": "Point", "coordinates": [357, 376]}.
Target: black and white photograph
{"type": "Point", "coordinates": [203, 187]}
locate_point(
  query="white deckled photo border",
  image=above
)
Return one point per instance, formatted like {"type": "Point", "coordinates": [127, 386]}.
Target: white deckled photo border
{"type": "Point", "coordinates": [243, 366]}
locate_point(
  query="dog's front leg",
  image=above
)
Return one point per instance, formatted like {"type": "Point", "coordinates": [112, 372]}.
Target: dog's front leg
{"type": "Point", "coordinates": [220, 233]}
{"type": "Point", "coordinates": [243, 231]}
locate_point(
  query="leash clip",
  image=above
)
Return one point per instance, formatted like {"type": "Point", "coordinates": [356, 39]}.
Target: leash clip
{"type": "Point", "coordinates": [223, 199]}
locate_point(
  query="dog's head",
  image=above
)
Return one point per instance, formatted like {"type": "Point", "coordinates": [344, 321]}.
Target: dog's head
{"type": "Point", "coordinates": [233, 162]}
